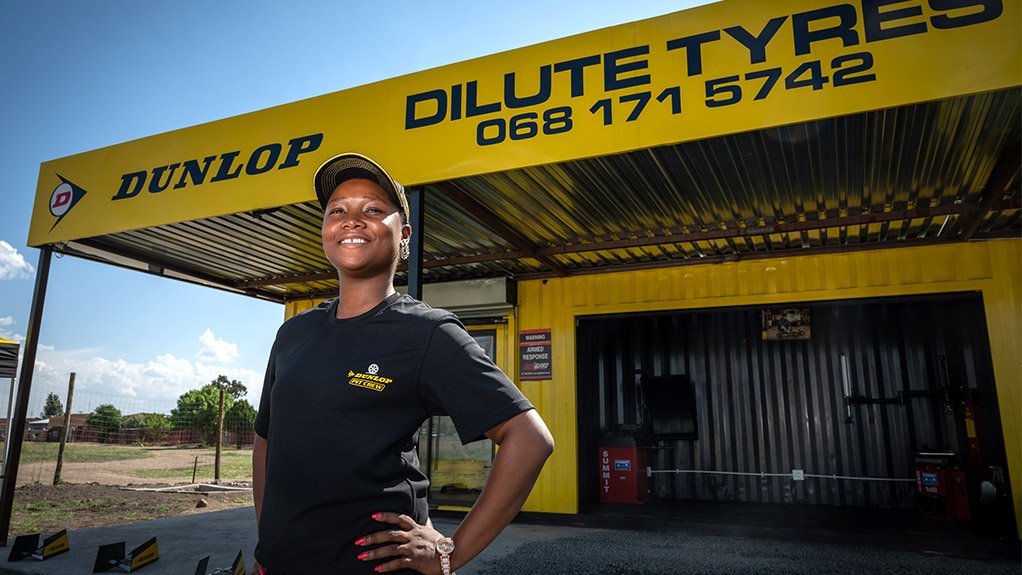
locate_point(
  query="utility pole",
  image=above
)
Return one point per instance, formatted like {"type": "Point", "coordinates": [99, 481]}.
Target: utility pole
{"type": "Point", "coordinates": [67, 428]}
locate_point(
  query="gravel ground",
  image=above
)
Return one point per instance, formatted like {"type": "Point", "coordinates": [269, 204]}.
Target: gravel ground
{"type": "Point", "coordinates": [581, 551]}
{"type": "Point", "coordinates": [531, 548]}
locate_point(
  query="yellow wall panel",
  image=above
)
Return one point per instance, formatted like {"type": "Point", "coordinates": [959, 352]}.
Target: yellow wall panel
{"type": "Point", "coordinates": [1004, 323]}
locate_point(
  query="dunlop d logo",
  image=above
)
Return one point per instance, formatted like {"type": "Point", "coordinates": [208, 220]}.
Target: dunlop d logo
{"type": "Point", "coordinates": [368, 381]}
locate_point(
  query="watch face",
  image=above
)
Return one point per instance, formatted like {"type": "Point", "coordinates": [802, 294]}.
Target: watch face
{"type": "Point", "coordinates": [445, 546]}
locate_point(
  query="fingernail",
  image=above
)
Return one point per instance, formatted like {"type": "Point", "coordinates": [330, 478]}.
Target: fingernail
{"type": "Point", "coordinates": [362, 556]}
{"type": "Point", "coordinates": [360, 541]}
{"type": "Point", "coordinates": [377, 516]}
{"type": "Point", "coordinates": [378, 568]}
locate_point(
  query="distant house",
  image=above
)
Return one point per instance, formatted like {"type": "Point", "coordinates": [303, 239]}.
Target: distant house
{"type": "Point", "coordinates": [4, 426]}
{"type": "Point", "coordinates": [51, 428]}
{"type": "Point", "coordinates": [37, 429]}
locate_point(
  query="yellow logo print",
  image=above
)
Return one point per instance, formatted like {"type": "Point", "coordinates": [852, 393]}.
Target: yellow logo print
{"type": "Point", "coordinates": [368, 381]}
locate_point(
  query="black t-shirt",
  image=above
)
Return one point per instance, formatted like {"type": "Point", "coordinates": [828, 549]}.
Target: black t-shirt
{"type": "Point", "coordinates": [341, 406]}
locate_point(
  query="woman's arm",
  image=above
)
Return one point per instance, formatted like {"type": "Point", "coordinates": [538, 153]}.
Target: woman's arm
{"type": "Point", "coordinates": [525, 444]}
{"type": "Point", "coordinates": [258, 473]}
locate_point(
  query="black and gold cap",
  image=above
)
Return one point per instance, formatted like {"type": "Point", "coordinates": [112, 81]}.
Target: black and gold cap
{"type": "Point", "coordinates": [352, 166]}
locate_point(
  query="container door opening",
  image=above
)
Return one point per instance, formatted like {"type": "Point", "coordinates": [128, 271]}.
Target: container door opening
{"type": "Point", "coordinates": [835, 418]}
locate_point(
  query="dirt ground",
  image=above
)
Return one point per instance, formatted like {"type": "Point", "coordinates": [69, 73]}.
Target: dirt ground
{"type": "Point", "coordinates": [94, 494]}
{"type": "Point", "coordinates": [119, 472]}
{"type": "Point", "coordinates": [47, 509]}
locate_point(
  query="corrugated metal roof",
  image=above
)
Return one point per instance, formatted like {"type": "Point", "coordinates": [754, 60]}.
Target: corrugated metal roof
{"type": "Point", "coordinates": [939, 171]}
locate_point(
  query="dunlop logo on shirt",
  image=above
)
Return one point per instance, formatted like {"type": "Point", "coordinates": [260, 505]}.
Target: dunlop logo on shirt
{"type": "Point", "coordinates": [368, 381]}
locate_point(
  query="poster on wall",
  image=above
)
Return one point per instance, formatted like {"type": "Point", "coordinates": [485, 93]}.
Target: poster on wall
{"type": "Point", "coordinates": [534, 354]}
{"type": "Point", "coordinates": [786, 324]}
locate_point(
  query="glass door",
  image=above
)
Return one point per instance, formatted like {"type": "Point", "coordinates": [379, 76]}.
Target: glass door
{"type": "Point", "coordinates": [456, 472]}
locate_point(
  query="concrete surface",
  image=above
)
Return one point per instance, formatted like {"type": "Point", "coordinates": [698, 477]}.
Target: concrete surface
{"type": "Point", "coordinates": [757, 540]}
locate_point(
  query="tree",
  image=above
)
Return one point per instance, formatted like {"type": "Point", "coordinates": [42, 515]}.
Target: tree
{"type": "Point", "coordinates": [231, 387]}
{"type": "Point", "coordinates": [198, 409]}
{"type": "Point", "coordinates": [107, 419]}
{"type": "Point", "coordinates": [53, 407]}
{"type": "Point", "coordinates": [152, 427]}
{"type": "Point", "coordinates": [240, 419]}
{"type": "Point", "coordinates": [156, 421]}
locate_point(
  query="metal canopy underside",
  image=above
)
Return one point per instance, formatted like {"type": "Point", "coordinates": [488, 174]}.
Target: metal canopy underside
{"type": "Point", "coordinates": [941, 171]}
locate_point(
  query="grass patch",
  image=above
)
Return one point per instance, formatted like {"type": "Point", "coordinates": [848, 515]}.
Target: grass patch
{"type": "Point", "coordinates": [34, 515]}
{"type": "Point", "coordinates": [233, 466]}
{"type": "Point", "coordinates": [32, 452]}
{"type": "Point", "coordinates": [40, 516]}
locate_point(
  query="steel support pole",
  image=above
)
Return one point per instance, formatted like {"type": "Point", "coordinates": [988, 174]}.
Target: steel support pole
{"type": "Point", "coordinates": [417, 207]}
{"type": "Point", "coordinates": [7, 430]}
{"type": "Point", "coordinates": [16, 425]}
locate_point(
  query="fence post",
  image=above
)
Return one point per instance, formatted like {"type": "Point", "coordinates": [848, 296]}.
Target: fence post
{"type": "Point", "coordinates": [219, 439]}
{"type": "Point", "coordinates": [67, 428]}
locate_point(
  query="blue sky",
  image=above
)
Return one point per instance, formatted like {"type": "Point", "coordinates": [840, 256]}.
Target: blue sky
{"type": "Point", "coordinates": [78, 76]}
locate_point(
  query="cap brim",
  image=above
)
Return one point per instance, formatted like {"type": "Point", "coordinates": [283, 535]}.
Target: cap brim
{"type": "Point", "coordinates": [349, 166]}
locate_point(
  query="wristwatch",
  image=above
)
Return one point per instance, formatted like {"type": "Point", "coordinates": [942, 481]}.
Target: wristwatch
{"type": "Point", "coordinates": [445, 546]}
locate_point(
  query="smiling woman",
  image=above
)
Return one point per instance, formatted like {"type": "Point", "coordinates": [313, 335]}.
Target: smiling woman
{"type": "Point", "coordinates": [369, 367]}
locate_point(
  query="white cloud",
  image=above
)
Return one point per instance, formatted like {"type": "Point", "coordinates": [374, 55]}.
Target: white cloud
{"type": "Point", "coordinates": [5, 322]}
{"type": "Point", "coordinates": [12, 264]}
{"type": "Point", "coordinates": [215, 349]}
{"type": "Point", "coordinates": [148, 386]}
{"type": "Point", "coordinates": [10, 335]}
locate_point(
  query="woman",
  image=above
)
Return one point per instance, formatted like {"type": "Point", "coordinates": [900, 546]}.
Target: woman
{"type": "Point", "coordinates": [336, 480]}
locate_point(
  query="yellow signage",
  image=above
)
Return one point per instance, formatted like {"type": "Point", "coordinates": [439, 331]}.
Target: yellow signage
{"type": "Point", "coordinates": [144, 554]}
{"type": "Point", "coordinates": [722, 68]}
{"type": "Point", "coordinates": [56, 544]}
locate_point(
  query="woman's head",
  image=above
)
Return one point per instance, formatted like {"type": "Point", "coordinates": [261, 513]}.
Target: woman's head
{"type": "Point", "coordinates": [364, 219]}
{"type": "Point", "coordinates": [349, 166]}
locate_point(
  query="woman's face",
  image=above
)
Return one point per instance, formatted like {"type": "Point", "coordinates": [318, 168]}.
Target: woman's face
{"type": "Point", "coordinates": [362, 230]}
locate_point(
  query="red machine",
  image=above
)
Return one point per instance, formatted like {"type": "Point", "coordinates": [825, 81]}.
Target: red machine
{"type": "Point", "coordinates": [622, 471]}
{"type": "Point", "coordinates": [941, 487]}
{"type": "Point", "coordinates": [947, 487]}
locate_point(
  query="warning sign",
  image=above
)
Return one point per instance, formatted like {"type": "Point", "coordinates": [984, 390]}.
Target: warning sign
{"type": "Point", "coordinates": [534, 354]}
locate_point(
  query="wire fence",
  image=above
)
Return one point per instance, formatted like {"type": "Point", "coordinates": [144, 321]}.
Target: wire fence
{"type": "Point", "coordinates": [122, 440]}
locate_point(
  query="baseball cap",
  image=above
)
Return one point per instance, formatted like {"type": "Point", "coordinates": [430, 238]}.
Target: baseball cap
{"type": "Point", "coordinates": [352, 166]}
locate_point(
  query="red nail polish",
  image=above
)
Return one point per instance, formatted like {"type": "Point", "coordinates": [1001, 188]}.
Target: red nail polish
{"type": "Point", "coordinates": [362, 556]}
{"type": "Point", "coordinates": [360, 541]}
{"type": "Point", "coordinates": [377, 568]}
{"type": "Point", "coordinates": [377, 516]}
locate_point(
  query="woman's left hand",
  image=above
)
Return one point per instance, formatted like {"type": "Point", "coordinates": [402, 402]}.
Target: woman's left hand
{"type": "Point", "coordinates": [412, 545]}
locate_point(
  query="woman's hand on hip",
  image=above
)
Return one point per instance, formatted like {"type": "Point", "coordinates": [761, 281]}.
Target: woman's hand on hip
{"type": "Point", "coordinates": [412, 546]}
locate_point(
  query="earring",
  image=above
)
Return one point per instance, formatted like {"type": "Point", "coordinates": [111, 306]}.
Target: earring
{"type": "Point", "coordinates": [405, 251]}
